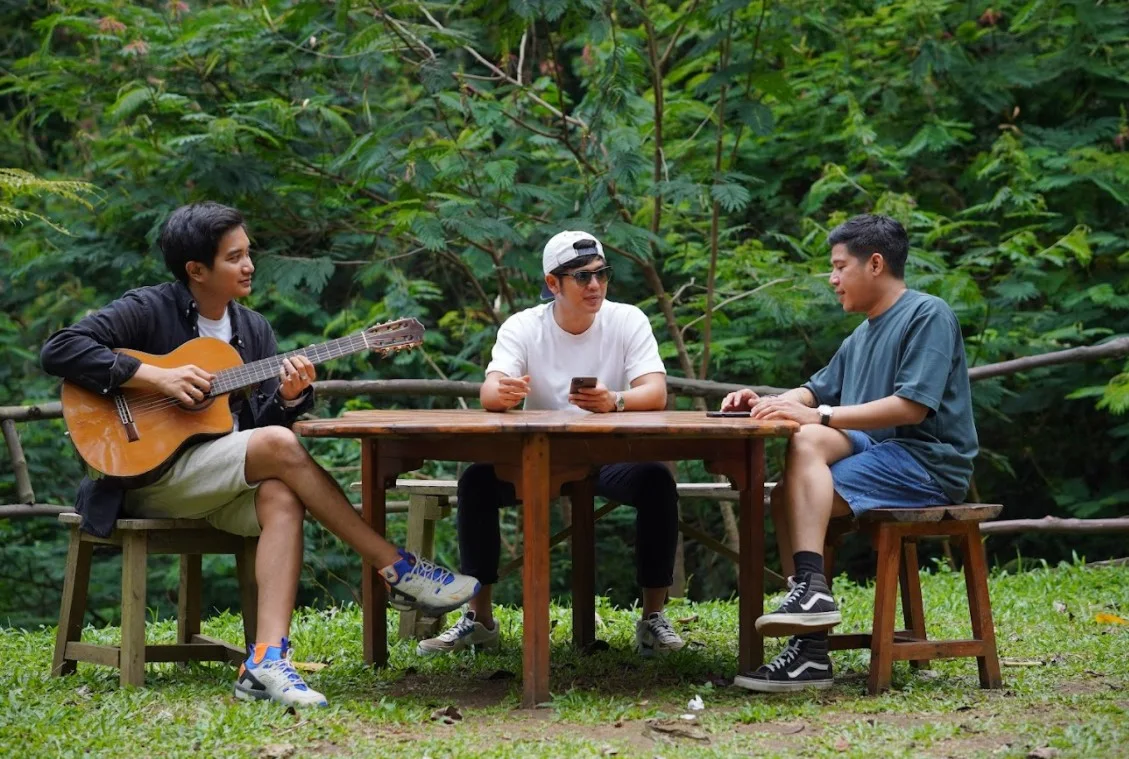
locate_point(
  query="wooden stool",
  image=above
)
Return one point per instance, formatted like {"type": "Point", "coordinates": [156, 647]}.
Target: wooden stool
{"type": "Point", "coordinates": [894, 533]}
{"type": "Point", "coordinates": [138, 538]}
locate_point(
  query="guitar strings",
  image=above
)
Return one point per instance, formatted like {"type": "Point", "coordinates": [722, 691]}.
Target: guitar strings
{"type": "Point", "coordinates": [246, 374]}
{"type": "Point", "coordinates": [249, 374]}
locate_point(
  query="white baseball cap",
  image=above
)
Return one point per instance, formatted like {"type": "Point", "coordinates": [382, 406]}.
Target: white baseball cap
{"type": "Point", "coordinates": [564, 247]}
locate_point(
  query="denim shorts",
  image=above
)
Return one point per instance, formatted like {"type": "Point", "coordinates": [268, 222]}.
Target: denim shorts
{"type": "Point", "coordinates": [883, 475]}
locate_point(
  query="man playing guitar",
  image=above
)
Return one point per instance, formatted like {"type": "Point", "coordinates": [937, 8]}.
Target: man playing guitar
{"type": "Point", "coordinates": [257, 480]}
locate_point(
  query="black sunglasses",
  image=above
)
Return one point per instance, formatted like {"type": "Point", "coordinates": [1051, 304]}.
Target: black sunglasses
{"type": "Point", "coordinates": [584, 276]}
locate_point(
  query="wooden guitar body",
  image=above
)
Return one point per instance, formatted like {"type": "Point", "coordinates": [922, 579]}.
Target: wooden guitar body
{"type": "Point", "coordinates": [160, 426]}
{"type": "Point", "coordinates": [133, 434]}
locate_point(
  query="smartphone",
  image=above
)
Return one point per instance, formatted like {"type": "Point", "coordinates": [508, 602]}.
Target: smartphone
{"type": "Point", "coordinates": [728, 413]}
{"type": "Point", "coordinates": [579, 382]}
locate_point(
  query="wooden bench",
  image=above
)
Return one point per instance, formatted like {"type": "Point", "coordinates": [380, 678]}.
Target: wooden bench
{"type": "Point", "coordinates": [430, 501]}
{"type": "Point", "coordinates": [894, 534]}
{"type": "Point", "coordinates": [138, 538]}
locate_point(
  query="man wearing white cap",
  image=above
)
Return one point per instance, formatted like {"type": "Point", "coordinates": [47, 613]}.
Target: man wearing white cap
{"type": "Point", "coordinates": [537, 354]}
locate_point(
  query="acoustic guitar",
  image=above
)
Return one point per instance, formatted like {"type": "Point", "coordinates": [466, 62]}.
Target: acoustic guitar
{"type": "Point", "coordinates": [134, 434]}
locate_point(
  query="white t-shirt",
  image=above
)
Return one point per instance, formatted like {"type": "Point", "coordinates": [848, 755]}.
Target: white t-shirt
{"type": "Point", "coordinates": [618, 348]}
{"type": "Point", "coordinates": [221, 330]}
{"type": "Point", "coordinates": [217, 328]}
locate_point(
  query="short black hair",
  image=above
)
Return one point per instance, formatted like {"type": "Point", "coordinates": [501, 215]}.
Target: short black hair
{"type": "Point", "coordinates": [576, 263]}
{"type": "Point", "coordinates": [193, 233]}
{"type": "Point", "coordinates": [874, 233]}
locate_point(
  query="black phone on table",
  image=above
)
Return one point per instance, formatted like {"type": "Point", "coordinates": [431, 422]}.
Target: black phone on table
{"type": "Point", "coordinates": [728, 413]}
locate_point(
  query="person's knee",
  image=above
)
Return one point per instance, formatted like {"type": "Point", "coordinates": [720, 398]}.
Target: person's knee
{"type": "Point", "coordinates": [276, 503]}
{"type": "Point", "coordinates": [277, 445]}
{"type": "Point", "coordinates": [813, 442]}
{"type": "Point", "coordinates": [656, 484]}
{"type": "Point", "coordinates": [474, 483]}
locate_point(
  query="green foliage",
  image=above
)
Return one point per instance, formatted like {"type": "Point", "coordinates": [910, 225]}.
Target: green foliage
{"type": "Point", "coordinates": [17, 183]}
{"type": "Point", "coordinates": [412, 159]}
{"type": "Point", "coordinates": [1046, 627]}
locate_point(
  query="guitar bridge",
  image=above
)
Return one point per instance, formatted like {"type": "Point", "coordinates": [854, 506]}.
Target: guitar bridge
{"type": "Point", "coordinates": [125, 416]}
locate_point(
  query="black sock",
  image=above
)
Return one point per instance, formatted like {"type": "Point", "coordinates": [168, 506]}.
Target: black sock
{"type": "Point", "coordinates": [815, 636]}
{"type": "Point", "coordinates": [807, 562]}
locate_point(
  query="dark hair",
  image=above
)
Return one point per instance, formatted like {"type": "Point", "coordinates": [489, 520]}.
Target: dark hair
{"type": "Point", "coordinates": [193, 232]}
{"type": "Point", "coordinates": [873, 233]}
{"type": "Point", "coordinates": [576, 263]}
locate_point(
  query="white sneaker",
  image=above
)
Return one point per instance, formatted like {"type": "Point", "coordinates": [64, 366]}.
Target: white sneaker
{"type": "Point", "coordinates": [654, 635]}
{"type": "Point", "coordinates": [276, 680]}
{"type": "Point", "coordinates": [465, 633]}
{"type": "Point", "coordinates": [415, 583]}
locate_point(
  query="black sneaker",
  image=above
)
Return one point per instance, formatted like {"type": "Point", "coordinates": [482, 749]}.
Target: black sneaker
{"type": "Point", "coordinates": [809, 607]}
{"type": "Point", "coordinates": [803, 663]}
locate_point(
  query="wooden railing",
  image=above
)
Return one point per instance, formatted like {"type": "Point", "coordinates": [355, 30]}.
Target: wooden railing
{"type": "Point", "coordinates": [700, 390]}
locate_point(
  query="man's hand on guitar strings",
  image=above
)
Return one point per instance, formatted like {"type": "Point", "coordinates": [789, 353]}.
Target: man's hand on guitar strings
{"type": "Point", "coordinates": [296, 374]}
{"type": "Point", "coordinates": [187, 384]}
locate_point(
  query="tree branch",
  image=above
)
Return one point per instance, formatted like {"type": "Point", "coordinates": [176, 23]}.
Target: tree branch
{"type": "Point", "coordinates": [715, 211]}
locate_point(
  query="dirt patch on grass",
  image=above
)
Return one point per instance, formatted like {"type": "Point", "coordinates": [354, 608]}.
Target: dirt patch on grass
{"type": "Point", "coordinates": [470, 693]}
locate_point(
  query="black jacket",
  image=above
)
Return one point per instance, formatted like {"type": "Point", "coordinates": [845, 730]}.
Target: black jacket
{"type": "Point", "coordinates": [156, 319]}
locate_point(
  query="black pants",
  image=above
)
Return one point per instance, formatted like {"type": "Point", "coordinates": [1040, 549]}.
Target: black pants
{"type": "Point", "coordinates": [648, 487]}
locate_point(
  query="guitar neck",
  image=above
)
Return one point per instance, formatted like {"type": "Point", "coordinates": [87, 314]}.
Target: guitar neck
{"type": "Point", "coordinates": [247, 375]}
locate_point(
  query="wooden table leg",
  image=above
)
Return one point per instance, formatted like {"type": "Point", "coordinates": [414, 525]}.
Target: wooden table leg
{"type": "Point", "coordinates": [535, 570]}
{"type": "Point", "coordinates": [583, 564]}
{"type": "Point", "coordinates": [750, 581]}
{"type": "Point", "coordinates": [374, 597]}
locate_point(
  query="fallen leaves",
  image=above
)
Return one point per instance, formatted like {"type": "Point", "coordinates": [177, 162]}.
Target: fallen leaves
{"type": "Point", "coordinates": [1046, 752]}
{"type": "Point", "coordinates": [309, 666]}
{"type": "Point", "coordinates": [1103, 618]}
{"type": "Point", "coordinates": [658, 729]}
{"type": "Point", "coordinates": [448, 715]}
{"type": "Point", "coordinates": [1006, 662]}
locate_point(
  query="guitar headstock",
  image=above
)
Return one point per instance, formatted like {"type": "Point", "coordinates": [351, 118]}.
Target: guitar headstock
{"type": "Point", "coordinates": [400, 334]}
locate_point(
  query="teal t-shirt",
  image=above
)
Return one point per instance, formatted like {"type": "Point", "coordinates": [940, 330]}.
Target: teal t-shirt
{"type": "Point", "coordinates": [914, 350]}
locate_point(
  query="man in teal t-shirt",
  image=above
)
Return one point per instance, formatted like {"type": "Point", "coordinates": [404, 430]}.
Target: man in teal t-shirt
{"type": "Point", "coordinates": [888, 423]}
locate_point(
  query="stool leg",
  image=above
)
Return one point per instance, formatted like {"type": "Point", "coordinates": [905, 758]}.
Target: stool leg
{"type": "Point", "coordinates": [912, 610]}
{"type": "Point", "coordinates": [76, 582]}
{"type": "Point", "coordinates": [188, 598]}
{"type": "Point", "coordinates": [420, 541]}
{"type": "Point", "coordinates": [134, 549]}
{"type": "Point", "coordinates": [248, 589]}
{"type": "Point", "coordinates": [885, 596]}
{"type": "Point", "coordinates": [980, 606]}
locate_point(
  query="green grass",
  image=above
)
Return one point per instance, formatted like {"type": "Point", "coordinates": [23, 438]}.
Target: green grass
{"type": "Point", "coordinates": [1067, 690]}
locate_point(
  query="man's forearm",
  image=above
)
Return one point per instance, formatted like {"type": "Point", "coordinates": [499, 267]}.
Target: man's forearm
{"type": "Point", "coordinates": [801, 395]}
{"type": "Point", "coordinates": [891, 411]}
{"type": "Point", "coordinates": [650, 396]}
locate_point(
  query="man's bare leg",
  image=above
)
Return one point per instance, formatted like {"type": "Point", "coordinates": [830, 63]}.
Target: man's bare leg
{"type": "Point", "coordinates": [654, 599]}
{"type": "Point", "coordinates": [278, 561]}
{"type": "Point", "coordinates": [274, 453]}
{"type": "Point", "coordinates": [783, 527]}
{"type": "Point", "coordinates": [483, 606]}
{"type": "Point", "coordinates": [811, 499]}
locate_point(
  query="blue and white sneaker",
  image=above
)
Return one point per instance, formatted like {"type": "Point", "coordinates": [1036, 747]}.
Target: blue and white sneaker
{"type": "Point", "coordinates": [262, 679]}
{"type": "Point", "coordinates": [465, 633]}
{"type": "Point", "coordinates": [415, 583]}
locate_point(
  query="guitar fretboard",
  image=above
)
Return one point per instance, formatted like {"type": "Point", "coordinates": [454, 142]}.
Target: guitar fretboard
{"type": "Point", "coordinates": [246, 375]}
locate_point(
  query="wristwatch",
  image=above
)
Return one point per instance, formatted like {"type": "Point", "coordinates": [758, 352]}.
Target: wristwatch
{"type": "Point", "coordinates": [825, 412]}
{"type": "Point", "coordinates": [620, 402]}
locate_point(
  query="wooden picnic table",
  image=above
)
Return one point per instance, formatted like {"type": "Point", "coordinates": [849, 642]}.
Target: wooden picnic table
{"type": "Point", "coordinates": [539, 451]}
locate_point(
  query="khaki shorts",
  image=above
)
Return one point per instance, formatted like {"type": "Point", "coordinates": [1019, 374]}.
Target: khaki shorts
{"type": "Point", "coordinates": [209, 482]}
